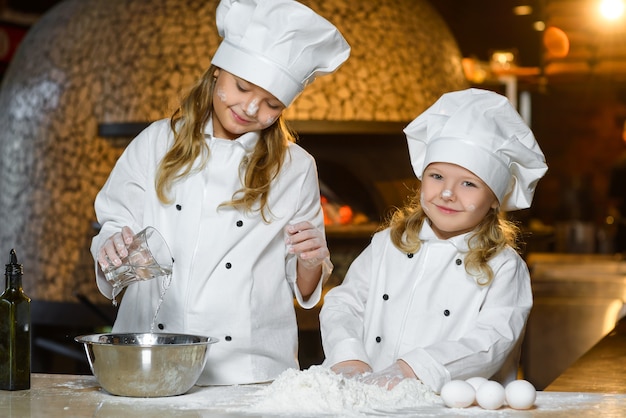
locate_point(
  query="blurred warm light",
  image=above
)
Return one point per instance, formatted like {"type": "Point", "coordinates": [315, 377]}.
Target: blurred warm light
{"type": "Point", "coordinates": [612, 314]}
{"type": "Point", "coordinates": [474, 70]}
{"type": "Point", "coordinates": [539, 26]}
{"type": "Point", "coordinates": [556, 42]}
{"type": "Point", "coordinates": [502, 60]}
{"type": "Point", "coordinates": [522, 10]}
{"type": "Point", "coordinates": [612, 9]}
{"type": "Point", "coordinates": [500, 70]}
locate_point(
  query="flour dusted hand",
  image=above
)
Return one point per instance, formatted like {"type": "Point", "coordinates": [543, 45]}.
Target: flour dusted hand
{"type": "Point", "coordinates": [391, 376]}
{"type": "Point", "coordinates": [308, 243]}
{"type": "Point", "coordinates": [351, 368]}
{"type": "Point", "coordinates": [114, 248]}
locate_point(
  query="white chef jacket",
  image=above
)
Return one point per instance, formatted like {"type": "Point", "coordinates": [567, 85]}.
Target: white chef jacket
{"type": "Point", "coordinates": [425, 309]}
{"type": "Point", "coordinates": [233, 277]}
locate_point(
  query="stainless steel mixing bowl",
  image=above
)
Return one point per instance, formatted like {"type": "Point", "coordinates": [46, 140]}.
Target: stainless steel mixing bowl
{"type": "Point", "coordinates": [146, 365]}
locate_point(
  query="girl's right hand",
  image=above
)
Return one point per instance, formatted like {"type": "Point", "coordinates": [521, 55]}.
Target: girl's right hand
{"type": "Point", "coordinates": [114, 248]}
{"type": "Point", "coordinates": [351, 368]}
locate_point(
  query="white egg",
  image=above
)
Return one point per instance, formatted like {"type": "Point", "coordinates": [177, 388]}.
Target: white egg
{"type": "Point", "coordinates": [476, 381]}
{"type": "Point", "coordinates": [520, 394]}
{"type": "Point", "coordinates": [490, 395]}
{"type": "Point", "coordinates": [458, 394]}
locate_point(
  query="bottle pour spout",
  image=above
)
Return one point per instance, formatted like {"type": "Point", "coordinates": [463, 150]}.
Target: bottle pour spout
{"type": "Point", "coordinates": [13, 267]}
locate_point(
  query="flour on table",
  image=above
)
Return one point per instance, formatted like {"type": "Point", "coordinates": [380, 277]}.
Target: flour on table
{"type": "Point", "coordinates": [319, 391]}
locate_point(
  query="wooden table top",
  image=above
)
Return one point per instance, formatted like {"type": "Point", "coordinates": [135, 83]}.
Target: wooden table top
{"type": "Point", "coordinates": [602, 369]}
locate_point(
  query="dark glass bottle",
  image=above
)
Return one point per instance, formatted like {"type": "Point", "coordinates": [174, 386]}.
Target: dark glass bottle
{"type": "Point", "coordinates": [14, 330]}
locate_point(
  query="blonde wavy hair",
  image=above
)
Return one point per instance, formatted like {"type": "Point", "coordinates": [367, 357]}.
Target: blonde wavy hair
{"type": "Point", "coordinates": [492, 235]}
{"type": "Point", "coordinates": [258, 170]}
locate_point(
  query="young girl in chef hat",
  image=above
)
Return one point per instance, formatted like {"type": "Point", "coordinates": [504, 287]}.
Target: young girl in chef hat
{"type": "Point", "coordinates": [441, 294]}
{"type": "Point", "coordinates": [235, 198]}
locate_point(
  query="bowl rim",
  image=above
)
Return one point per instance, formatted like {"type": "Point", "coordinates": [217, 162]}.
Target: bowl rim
{"type": "Point", "coordinates": [93, 339]}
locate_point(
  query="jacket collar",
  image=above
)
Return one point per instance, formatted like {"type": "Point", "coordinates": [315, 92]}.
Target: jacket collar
{"type": "Point", "coordinates": [247, 141]}
{"type": "Point", "coordinates": [459, 241]}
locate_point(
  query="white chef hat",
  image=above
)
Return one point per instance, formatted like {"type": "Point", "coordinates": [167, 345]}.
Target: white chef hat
{"type": "Point", "coordinates": [279, 45]}
{"type": "Point", "coordinates": [480, 131]}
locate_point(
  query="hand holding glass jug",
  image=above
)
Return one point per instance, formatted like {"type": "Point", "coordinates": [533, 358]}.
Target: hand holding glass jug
{"type": "Point", "coordinates": [126, 258]}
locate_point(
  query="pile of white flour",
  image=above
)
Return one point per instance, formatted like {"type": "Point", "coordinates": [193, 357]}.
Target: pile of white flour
{"type": "Point", "coordinates": [319, 391]}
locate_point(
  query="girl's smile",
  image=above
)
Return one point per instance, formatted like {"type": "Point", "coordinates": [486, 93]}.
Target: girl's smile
{"type": "Point", "coordinates": [239, 119]}
{"type": "Point", "coordinates": [445, 209]}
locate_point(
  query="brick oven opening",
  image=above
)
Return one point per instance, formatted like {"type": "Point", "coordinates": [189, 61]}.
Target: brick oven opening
{"type": "Point", "coordinates": [369, 172]}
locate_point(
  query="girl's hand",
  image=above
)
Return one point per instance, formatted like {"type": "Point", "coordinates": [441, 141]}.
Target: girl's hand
{"type": "Point", "coordinates": [308, 243]}
{"type": "Point", "coordinates": [391, 376]}
{"type": "Point", "coordinates": [114, 248]}
{"type": "Point", "coordinates": [351, 368]}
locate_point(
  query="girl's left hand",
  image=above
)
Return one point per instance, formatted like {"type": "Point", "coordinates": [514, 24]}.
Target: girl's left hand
{"type": "Point", "coordinates": [391, 376]}
{"type": "Point", "coordinates": [351, 368]}
{"type": "Point", "coordinates": [308, 243]}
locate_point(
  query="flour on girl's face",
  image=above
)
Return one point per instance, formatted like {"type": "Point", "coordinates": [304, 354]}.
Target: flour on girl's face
{"type": "Point", "coordinates": [318, 390]}
{"type": "Point", "coordinates": [221, 94]}
{"type": "Point", "coordinates": [269, 121]}
{"type": "Point", "coordinates": [253, 107]}
{"type": "Point", "coordinates": [423, 203]}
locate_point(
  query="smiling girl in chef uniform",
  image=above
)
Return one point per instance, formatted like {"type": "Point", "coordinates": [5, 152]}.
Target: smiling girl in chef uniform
{"type": "Point", "coordinates": [441, 293]}
{"type": "Point", "coordinates": [235, 198]}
